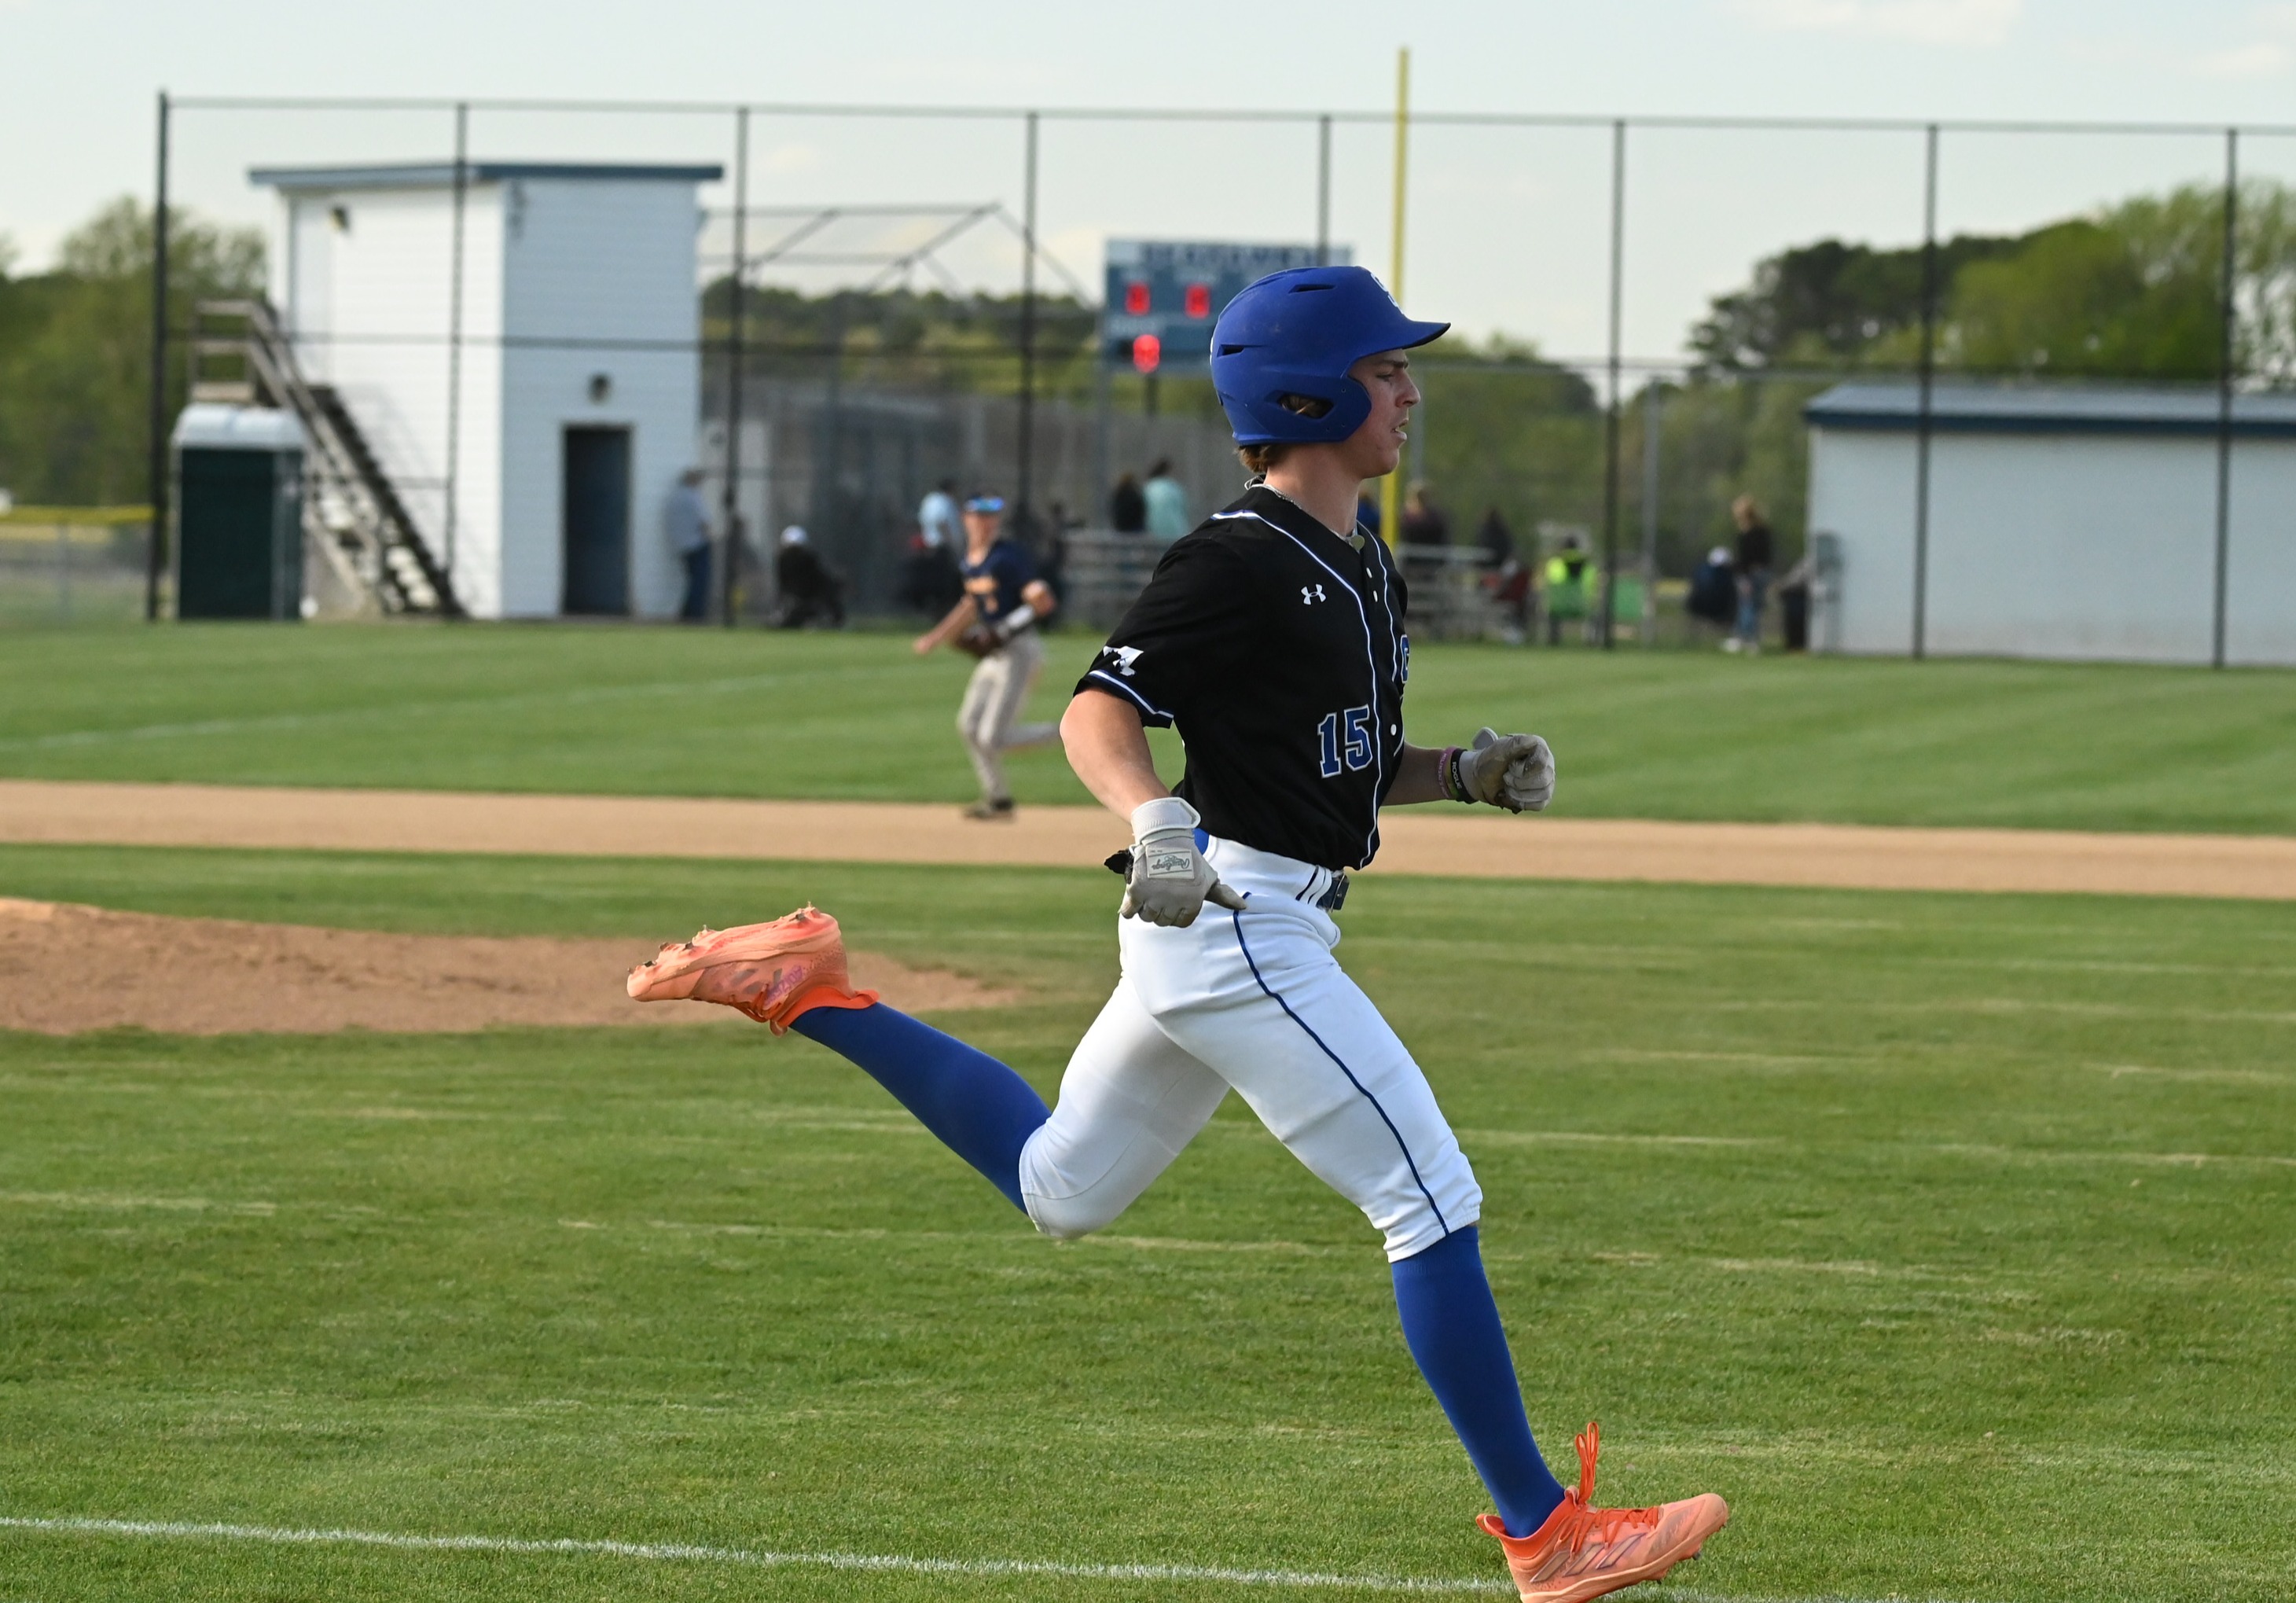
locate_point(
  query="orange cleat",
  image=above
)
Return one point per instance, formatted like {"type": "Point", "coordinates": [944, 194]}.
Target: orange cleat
{"type": "Point", "coordinates": [1583, 1551]}
{"type": "Point", "coordinates": [772, 972]}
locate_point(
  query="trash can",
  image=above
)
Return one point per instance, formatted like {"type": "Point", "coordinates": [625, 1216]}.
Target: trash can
{"type": "Point", "coordinates": [239, 512]}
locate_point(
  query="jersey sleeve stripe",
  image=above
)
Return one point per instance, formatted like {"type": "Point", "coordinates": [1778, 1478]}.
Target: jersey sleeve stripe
{"type": "Point", "coordinates": [1130, 694]}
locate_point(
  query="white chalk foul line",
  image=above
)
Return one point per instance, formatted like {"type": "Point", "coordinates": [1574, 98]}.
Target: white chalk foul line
{"type": "Point", "coordinates": [688, 1553]}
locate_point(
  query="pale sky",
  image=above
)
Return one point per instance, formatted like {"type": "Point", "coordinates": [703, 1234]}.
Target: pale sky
{"type": "Point", "coordinates": [1507, 230]}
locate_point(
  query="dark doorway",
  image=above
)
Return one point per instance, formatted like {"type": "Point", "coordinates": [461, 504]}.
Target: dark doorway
{"type": "Point", "coordinates": [597, 499]}
{"type": "Point", "coordinates": [239, 533]}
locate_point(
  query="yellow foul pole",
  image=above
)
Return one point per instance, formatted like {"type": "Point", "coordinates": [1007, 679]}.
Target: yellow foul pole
{"type": "Point", "coordinates": [1391, 488]}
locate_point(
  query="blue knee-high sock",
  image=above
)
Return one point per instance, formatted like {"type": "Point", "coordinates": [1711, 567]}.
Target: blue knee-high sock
{"type": "Point", "coordinates": [982, 1111]}
{"type": "Point", "coordinates": [1452, 1327]}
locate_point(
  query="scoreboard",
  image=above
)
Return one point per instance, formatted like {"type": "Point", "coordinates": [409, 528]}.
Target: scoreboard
{"type": "Point", "coordinates": [1163, 296]}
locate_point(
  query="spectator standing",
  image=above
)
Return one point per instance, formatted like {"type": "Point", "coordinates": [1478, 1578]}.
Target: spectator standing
{"type": "Point", "coordinates": [1571, 582]}
{"type": "Point", "coordinates": [1503, 576]}
{"type": "Point", "coordinates": [809, 589]}
{"type": "Point", "coordinates": [1424, 522]}
{"type": "Point", "coordinates": [1127, 508]}
{"type": "Point", "coordinates": [1167, 504]}
{"type": "Point", "coordinates": [686, 521]}
{"type": "Point", "coordinates": [1494, 540]}
{"type": "Point", "coordinates": [1757, 548]}
{"type": "Point", "coordinates": [937, 517]}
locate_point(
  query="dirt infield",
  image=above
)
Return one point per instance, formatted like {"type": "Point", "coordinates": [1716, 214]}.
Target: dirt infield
{"type": "Point", "coordinates": [65, 969]}
{"type": "Point", "coordinates": [1483, 845]}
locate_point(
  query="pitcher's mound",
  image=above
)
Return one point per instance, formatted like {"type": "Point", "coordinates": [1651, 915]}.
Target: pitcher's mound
{"type": "Point", "coordinates": [65, 968]}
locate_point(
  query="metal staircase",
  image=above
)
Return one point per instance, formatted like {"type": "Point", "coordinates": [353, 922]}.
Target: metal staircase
{"type": "Point", "coordinates": [351, 510]}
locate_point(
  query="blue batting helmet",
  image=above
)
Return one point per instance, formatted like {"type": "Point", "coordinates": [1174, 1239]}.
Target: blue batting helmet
{"type": "Point", "coordinates": [1297, 332]}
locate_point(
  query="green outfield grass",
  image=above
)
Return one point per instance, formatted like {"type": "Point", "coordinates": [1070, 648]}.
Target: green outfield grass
{"type": "Point", "coordinates": [703, 712]}
{"type": "Point", "coordinates": [1953, 1238]}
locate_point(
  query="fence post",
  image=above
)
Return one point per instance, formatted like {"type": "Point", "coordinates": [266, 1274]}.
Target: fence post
{"type": "Point", "coordinates": [1653, 403]}
{"type": "Point", "coordinates": [1022, 518]}
{"type": "Point", "coordinates": [735, 373]}
{"type": "Point", "coordinates": [155, 543]}
{"type": "Point", "coordinates": [454, 344]}
{"type": "Point", "coordinates": [1324, 190]}
{"type": "Point", "coordinates": [2229, 315]}
{"type": "Point", "coordinates": [1390, 528]}
{"type": "Point", "coordinates": [1096, 509]}
{"type": "Point", "coordinates": [1922, 424]}
{"type": "Point", "coordinates": [1611, 413]}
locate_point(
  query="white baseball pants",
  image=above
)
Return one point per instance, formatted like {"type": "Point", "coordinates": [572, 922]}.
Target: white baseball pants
{"type": "Point", "coordinates": [987, 718]}
{"type": "Point", "coordinates": [1254, 1001]}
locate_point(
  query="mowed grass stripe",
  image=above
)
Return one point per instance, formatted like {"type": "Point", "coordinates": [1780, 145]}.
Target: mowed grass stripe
{"type": "Point", "coordinates": [811, 679]}
{"type": "Point", "coordinates": [692, 1553]}
{"type": "Point", "coordinates": [710, 712]}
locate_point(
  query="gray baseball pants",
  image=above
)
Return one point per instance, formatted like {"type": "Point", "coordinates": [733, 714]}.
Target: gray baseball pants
{"type": "Point", "coordinates": [989, 718]}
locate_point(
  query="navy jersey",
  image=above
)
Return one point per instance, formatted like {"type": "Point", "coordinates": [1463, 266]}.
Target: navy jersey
{"type": "Point", "coordinates": [996, 581]}
{"type": "Point", "coordinates": [1278, 648]}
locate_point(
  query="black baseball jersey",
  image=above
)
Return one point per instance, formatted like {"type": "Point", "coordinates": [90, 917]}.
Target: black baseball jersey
{"type": "Point", "coordinates": [1278, 647]}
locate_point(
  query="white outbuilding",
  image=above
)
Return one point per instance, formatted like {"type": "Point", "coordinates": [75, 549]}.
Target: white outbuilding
{"type": "Point", "coordinates": [565, 411]}
{"type": "Point", "coordinates": [2068, 522]}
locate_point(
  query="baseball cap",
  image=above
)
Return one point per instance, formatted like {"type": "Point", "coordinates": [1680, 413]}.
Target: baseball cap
{"type": "Point", "coordinates": [984, 503]}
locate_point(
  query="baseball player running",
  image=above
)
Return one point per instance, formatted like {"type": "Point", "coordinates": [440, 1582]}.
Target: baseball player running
{"type": "Point", "coordinates": [1272, 637]}
{"type": "Point", "coordinates": [995, 619]}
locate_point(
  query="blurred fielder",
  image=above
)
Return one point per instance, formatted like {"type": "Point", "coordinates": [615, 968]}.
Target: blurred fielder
{"type": "Point", "coordinates": [1272, 637]}
{"type": "Point", "coordinates": [995, 620]}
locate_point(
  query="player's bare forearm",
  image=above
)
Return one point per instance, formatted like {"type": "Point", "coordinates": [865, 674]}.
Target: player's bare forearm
{"type": "Point", "coordinates": [1108, 748]}
{"type": "Point", "coordinates": [960, 617]}
{"type": "Point", "coordinates": [1417, 778]}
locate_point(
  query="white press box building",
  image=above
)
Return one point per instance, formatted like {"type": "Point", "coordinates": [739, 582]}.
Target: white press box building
{"type": "Point", "coordinates": [2065, 521]}
{"type": "Point", "coordinates": [578, 397]}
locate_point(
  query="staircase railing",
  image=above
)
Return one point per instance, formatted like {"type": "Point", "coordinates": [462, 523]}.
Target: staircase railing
{"type": "Point", "coordinates": [351, 507]}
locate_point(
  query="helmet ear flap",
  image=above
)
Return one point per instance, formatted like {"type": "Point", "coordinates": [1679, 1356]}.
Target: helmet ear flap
{"type": "Point", "coordinates": [1263, 419]}
{"type": "Point", "coordinates": [1347, 412]}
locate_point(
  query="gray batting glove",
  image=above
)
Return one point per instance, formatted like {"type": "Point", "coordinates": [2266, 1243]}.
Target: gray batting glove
{"type": "Point", "coordinates": [1514, 771]}
{"type": "Point", "coordinates": [1169, 882]}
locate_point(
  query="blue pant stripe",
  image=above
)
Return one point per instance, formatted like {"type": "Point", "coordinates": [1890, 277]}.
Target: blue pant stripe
{"type": "Point", "coordinates": [1237, 919]}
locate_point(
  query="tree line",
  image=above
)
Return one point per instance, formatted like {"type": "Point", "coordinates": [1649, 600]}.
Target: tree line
{"type": "Point", "coordinates": [75, 350]}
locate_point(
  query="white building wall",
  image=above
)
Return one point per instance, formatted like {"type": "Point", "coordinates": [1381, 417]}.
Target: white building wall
{"type": "Point", "coordinates": [371, 310]}
{"type": "Point", "coordinates": [302, 278]}
{"type": "Point", "coordinates": [2261, 565]}
{"type": "Point", "coordinates": [1861, 490]}
{"type": "Point", "coordinates": [2075, 546]}
{"type": "Point", "coordinates": [2081, 547]}
{"type": "Point", "coordinates": [604, 261]}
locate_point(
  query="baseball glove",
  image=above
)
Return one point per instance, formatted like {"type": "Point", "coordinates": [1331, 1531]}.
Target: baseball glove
{"type": "Point", "coordinates": [978, 640]}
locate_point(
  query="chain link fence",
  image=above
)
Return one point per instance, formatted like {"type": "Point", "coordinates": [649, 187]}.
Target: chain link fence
{"type": "Point", "coordinates": [1612, 390]}
{"type": "Point", "coordinates": [66, 565]}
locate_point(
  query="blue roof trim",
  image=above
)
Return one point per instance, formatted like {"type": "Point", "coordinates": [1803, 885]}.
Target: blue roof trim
{"type": "Point", "coordinates": [439, 175]}
{"type": "Point", "coordinates": [1963, 408]}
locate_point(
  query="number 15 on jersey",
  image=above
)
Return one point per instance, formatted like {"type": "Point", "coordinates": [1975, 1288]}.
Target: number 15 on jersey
{"type": "Point", "coordinates": [1344, 740]}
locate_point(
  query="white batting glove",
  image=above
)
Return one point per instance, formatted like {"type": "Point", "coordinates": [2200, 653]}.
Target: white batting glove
{"type": "Point", "coordinates": [1514, 771]}
{"type": "Point", "coordinates": [1169, 882]}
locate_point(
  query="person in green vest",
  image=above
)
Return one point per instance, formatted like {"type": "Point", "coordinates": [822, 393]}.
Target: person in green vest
{"type": "Point", "coordinates": [1570, 586]}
